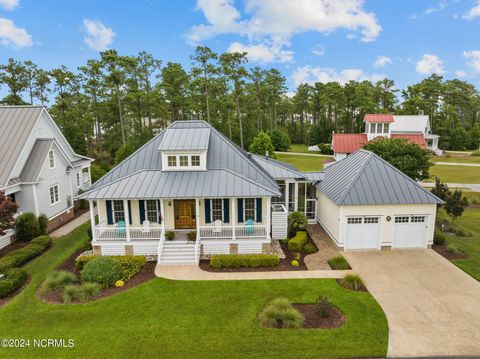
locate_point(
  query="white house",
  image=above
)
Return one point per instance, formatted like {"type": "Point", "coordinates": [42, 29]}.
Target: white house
{"type": "Point", "coordinates": [38, 168]}
{"type": "Point", "coordinates": [194, 182]}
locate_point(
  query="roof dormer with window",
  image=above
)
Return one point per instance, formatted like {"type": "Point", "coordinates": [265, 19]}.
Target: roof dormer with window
{"type": "Point", "coordinates": [378, 125]}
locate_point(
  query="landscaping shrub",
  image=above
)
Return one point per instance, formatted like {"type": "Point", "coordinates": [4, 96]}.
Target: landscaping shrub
{"type": "Point", "coordinates": [42, 224]}
{"type": "Point", "coordinates": [26, 227]}
{"type": "Point", "coordinates": [352, 281]}
{"type": "Point", "coordinates": [119, 283]}
{"type": "Point", "coordinates": [284, 241]}
{"type": "Point", "coordinates": [131, 265]}
{"type": "Point", "coordinates": [21, 256]}
{"type": "Point", "coordinates": [296, 243]}
{"type": "Point", "coordinates": [322, 306]}
{"type": "Point", "coordinates": [56, 280]}
{"type": "Point", "coordinates": [280, 314]}
{"type": "Point", "coordinates": [338, 263]}
{"type": "Point", "coordinates": [280, 139]}
{"type": "Point", "coordinates": [83, 293]}
{"type": "Point", "coordinates": [295, 263]}
{"type": "Point", "coordinates": [169, 235]}
{"type": "Point", "coordinates": [325, 149]}
{"type": "Point", "coordinates": [309, 248]}
{"type": "Point", "coordinates": [14, 279]}
{"type": "Point", "coordinates": [244, 260]}
{"type": "Point", "coordinates": [297, 221]}
{"type": "Point", "coordinates": [438, 238]}
{"type": "Point", "coordinates": [102, 270]}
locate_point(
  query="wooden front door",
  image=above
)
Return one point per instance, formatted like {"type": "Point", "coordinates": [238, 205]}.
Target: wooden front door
{"type": "Point", "coordinates": [184, 214]}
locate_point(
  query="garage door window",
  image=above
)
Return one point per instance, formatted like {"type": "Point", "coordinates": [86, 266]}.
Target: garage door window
{"type": "Point", "coordinates": [354, 220]}
{"type": "Point", "coordinates": [370, 220]}
{"type": "Point", "coordinates": [418, 219]}
{"type": "Point", "coordinates": [402, 219]}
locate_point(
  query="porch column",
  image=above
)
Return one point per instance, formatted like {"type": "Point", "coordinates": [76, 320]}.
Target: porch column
{"type": "Point", "coordinates": [287, 187]}
{"type": "Point", "coordinates": [269, 211]}
{"type": "Point", "coordinates": [197, 215]}
{"type": "Point", "coordinates": [92, 220]}
{"type": "Point", "coordinates": [162, 212]}
{"type": "Point", "coordinates": [127, 218]}
{"type": "Point", "coordinates": [295, 196]}
{"type": "Point", "coordinates": [234, 216]}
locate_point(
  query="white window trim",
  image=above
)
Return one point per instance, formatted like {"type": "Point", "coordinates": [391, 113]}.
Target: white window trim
{"type": "Point", "coordinates": [50, 194]}
{"type": "Point", "coordinates": [189, 167]}
{"type": "Point", "coordinates": [211, 210]}
{"type": "Point", "coordinates": [146, 210]}
{"type": "Point", "coordinates": [114, 211]}
{"type": "Point", "coordinates": [54, 160]}
{"type": "Point", "coordinates": [254, 210]}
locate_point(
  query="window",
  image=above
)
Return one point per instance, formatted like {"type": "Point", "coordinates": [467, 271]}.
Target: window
{"type": "Point", "coordinates": [418, 219]}
{"type": "Point", "coordinates": [281, 199]}
{"type": "Point", "coordinates": [402, 219]}
{"type": "Point", "coordinates": [379, 127]}
{"type": "Point", "coordinates": [370, 220]}
{"type": "Point", "coordinates": [195, 161]}
{"type": "Point", "coordinates": [385, 127]}
{"type": "Point", "coordinates": [372, 128]}
{"type": "Point", "coordinates": [152, 212]}
{"type": "Point", "coordinates": [217, 209]}
{"type": "Point", "coordinates": [54, 197]}
{"type": "Point", "coordinates": [77, 175]}
{"type": "Point", "coordinates": [249, 209]}
{"type": "Point", "coordinates": [354, 220]}
{"type": "Point", "coordinates": [51, 159]}
{"type": "Point", "coordinates": [118, 214]}
{"type": "Point", "coordinates": [172, 161]}
{"type": "Point", "coordinates": [183, 161]}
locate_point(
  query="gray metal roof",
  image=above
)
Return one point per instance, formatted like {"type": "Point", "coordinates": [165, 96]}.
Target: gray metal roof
{"type": "Point", "coordinates": [36, 159]}
{"type": "Point", "coordinates": [363, 178]}
{"type": "Point", "coordinates": [278, 169]}
{"type": "Point", "coordinates": [16, 124]}
{"type": "Point", "coordinates": [227, 164]}
{"type": "Point", "coordinates": [314, 176]}
{"type": "Point", "coordinates": [185, 139]}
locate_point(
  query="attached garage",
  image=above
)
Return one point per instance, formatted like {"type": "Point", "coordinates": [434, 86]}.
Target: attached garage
{"type": "Point", "coordinates": [363, 233]}
{"type": "Point", "coordinates": [410, 231]}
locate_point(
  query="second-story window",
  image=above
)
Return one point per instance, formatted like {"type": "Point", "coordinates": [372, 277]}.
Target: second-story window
{"type": "Point", "coordinates": [385, 127]}
{"type": "Point", "coordinates": [51, 159]}
{"type": "Point", "coordinates": [372, 128]}
{"type": "Point", "coordinates": [183, 161]}
{"type": "Point", "coordinates": [195, 161]}
{"type": "Point", "coordinates": [379, 127]}
{"type": "Point", "coordinates": [172, 161]}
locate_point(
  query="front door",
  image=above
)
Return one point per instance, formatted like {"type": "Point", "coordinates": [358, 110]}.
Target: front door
{"type": "Point", "coordinates": [184, 214]}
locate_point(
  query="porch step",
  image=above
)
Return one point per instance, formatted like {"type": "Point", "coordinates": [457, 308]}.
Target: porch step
{"type": "Point", "coordinates": [177, 252]}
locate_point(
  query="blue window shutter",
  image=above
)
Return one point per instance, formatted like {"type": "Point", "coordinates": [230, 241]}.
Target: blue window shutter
{"type": "Point", "coordinates": [160, 216]}
{"type": "Point", "coordinates": [240, 209]}
{"type": "Point", "coordinates": [259, 209]}
{"type": "Point", "coordinates": [141, 205]}
{"type": "Point", "coordinates": [208, 219]}
{"type": "Point", "coordinates": [109, 212]}
{"type": "Point", "coordinates": [226, 210]}
{"type": "Point", "coordinates": [129, 213]}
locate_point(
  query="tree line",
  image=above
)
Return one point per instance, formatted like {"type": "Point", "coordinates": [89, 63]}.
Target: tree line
{"type": "Point", "coordinates": [115, 103]}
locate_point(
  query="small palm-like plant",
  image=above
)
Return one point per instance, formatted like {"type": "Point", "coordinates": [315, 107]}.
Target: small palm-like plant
{"type": "Point", "coordinates": [56, 280]}
{"type": "Point", "coordinates": [352, 281]}
{"type": "Point", "coordinates": [281, 314]}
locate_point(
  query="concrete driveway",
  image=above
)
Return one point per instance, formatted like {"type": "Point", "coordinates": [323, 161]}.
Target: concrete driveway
{"type": "Point", "coordinates": [432, 307]}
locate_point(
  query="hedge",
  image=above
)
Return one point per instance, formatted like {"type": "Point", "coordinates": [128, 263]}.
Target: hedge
{"type": "Point", "coordinates": [131, 265]}
{"type": "Point", "coordinates": [26, 227]}
{"type": "Point", "coordinates": [14, 279]}
{"type": "Point", "coordinates": [296, 243]}
{"type": "Point", "coordinates": [21, 256]}
{"type": "Point", "coordinates": [244, 260]}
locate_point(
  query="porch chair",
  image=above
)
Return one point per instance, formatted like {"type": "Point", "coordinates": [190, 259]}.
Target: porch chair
{"type": "Point", "coordinates": [217, 227]}
{"type": "Point", "coordinates": [121, 228]}
{"type": "Point", "coordinates": [249, 226]}
{"type": "Point", "coordinates": [146, 227]}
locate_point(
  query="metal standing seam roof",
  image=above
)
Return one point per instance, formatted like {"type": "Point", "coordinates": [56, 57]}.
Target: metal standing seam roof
{"type": "Point", "coordinates": [278, 169]}
{"type": "Point", "coordinates": [36, 159]}
{"type": "Point", "coordinates": [379, 117]}
{"type": "Point", "coordinates": [348, 142]}
{"type": "Point", "coordinates": [16, 124]}
{"type": "Point", "coordinates": [185, 139]}
{"type": "Point", "coordinates": [227, 165]}
{"type": "Point", "coordinates": [314, 176]}
{"type": "Point", "coordinates": [363, 178]}
{"type": "Point", "coordinates": [416, 138]}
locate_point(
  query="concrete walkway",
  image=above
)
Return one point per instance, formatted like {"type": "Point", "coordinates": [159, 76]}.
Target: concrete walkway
{"type": "Point", "coordinates": [70, 226]}
{"type": "Point", "coordinates": [193, 272]}
{"type": "Point", "coordinates": [457, 164]}
{"type": "Point", "coordinates": [432, 306]}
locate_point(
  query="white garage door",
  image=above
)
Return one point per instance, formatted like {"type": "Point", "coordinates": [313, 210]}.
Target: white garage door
{"type": "Point", "coordinates": [363, 233]}
{"type": "Point", "coordinates": [410, 231]}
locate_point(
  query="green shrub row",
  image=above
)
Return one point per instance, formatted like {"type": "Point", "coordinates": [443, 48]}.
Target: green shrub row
{"type": "Point", "coordinates": [14, 279]}
{"type": "Point", "coordinates": [21, 256]}
{"type": "Point", "coordinates": [131, 265]}
{"type": "Point", "coordinates": [244, 260]}
{"type": "Point", "coordinates": [296, 243]}
{"type": "Point", "coordinates": [29, 226]}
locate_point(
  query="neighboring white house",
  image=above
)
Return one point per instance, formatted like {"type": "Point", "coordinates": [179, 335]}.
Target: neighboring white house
{"type": "Point", "coordinates": [38, 168]}
{"type": "Point", "coordinates": [415, 129]}
{"type": "Point", "coordinates": [193, 181]}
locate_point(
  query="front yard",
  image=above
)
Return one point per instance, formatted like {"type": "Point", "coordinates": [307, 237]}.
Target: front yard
{"type": "Point", "coordinates": [304, 163]}
{"type": "Point", "coordinates": [455, 174]}
{"type": "Point", "coordinates": [171, 319]}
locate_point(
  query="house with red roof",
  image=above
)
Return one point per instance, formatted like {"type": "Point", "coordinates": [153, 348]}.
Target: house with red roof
{"type": "Point", "coordinates": [414, 128]}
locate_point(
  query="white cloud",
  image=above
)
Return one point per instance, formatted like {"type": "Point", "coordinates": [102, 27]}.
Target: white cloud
{"type": "Point", "coordinates": [431, 10]}
{"type": "Point", "coordinates": [309, 74]}
{"type": "Point", "coordinates": [473, 12]}
{"type": "Point", "coordinates": [319, 50]}
{"type": "Point", "coordinates": [274, 22]}
{"type": "Point", "coordinates": [99, 37]}
{"type": "Point", "coordinates": [9, 4]}
{"type": "Point", "coordinates": [263, 53]}
{"type": "Point", "coordinates": [430, 64]}
{"type": "Point", "coordinates": [460, 73]}
{"type": "Point", "coordinates": [382, 61]}
{"type": "Point", "coordinates": [473, 59]}
{"type": "Point", "coordinates": [11, 35]}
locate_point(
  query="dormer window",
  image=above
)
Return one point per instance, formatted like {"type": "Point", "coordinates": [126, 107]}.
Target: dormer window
{"type": "Point", "coordinates": [385, 127]}
{"type": "Point", "coordinates": [379, 127]}
{"type": "Point", "coordinates": [183, 161]}
{"type": "Point", "coordinates": [195, 161]}
{"type": "Point", "coordinates": [373, 127]}
{"type": "Point", "coordinates": [172, 161]}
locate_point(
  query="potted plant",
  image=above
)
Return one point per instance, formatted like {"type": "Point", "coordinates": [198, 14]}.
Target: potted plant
{"type": "Point", "coordinates": [192, 236]}
{"type": "Point", "coordinates": [169, 235]}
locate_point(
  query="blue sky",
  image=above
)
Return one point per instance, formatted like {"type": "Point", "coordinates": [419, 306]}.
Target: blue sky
{"type": "Point", "coordinates": [308, 40]}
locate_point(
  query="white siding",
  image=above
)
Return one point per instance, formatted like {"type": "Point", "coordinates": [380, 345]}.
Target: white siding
{"type": "Point", "coordinates": [25, 199]}
{"type": "Point", "coordinates": [328, 214]}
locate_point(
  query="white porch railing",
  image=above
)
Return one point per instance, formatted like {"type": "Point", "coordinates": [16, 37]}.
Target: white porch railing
{"type": "Point", "coordinates": [226, 232]}
{"type": "Point", "coordinates": [160, 245]}
{"type": "Point", "coordinates": [104, 233]}
{"type": "Point", "coordinates": [197, 248]}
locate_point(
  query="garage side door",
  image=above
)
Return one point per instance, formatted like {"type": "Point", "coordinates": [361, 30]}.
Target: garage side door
{"type": "Point", "coordinates": [410, 231]}
{"type": "Point", "coordinates": [363, 233]}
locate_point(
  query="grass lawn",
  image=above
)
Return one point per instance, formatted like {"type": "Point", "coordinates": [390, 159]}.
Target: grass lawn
{"type": "Point", "coordinates": [300, 147]}
{"type": "Point", "coordinates": [304, 163]}
{"type": "Point", "coordinates": [470, 221]}
{"type": "Point", "coordinates": [456, 174]}
{"type": "Point", "coordinates": [457, 159]}
{"type": "Point", "coordinates": [182, 319]}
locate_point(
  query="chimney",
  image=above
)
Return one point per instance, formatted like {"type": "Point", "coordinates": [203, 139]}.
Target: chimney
{"type": "Point", "coordinates": [421, 113]}
{"type": "Point", "coordinates": [266, 154]}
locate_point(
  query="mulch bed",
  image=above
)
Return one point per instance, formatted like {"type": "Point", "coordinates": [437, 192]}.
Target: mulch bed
{"type": "Point", "coordinates": [362, 288]}
{"type": "Point", "coordinates": [442, 250]}
{"type": "Point", "coordinates": [334, 317]}
{"type": "Point", "coordinates": [145, 274]}
{"type": "Point", "coordinates": [13, 247]}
